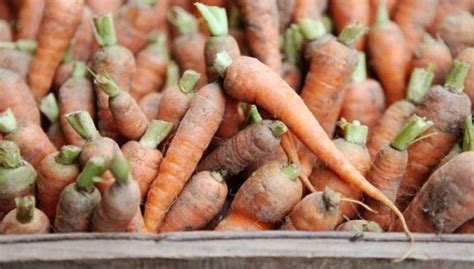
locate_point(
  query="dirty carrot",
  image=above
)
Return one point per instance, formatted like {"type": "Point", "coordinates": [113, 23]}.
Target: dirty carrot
{"type": "Point", "coordinates": [25, 218]}
{"type": "Point", "coordinates": [446, 8]}
{"type": "Point", "coordinates": [83, 39]}
{"type": "Point", "coordinates": [457, 30]}
{"type": "Point", "coordinates": [29, 19]}
{"type": "Point", "coordinates": [290, 69]}
{"type": "Point", "coordinates": [467, 56]}
{"type": "Point", "coordinates": [17, 56]}
{"type": "Point", "coordinates": [309, 9]}
{"type": "Point", "coordinates": [49, 107]}
{"type": "Point", "coordinates": [345, 12]}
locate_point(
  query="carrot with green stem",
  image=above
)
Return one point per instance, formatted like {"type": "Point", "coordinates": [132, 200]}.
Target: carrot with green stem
{"type": "Point", "coordinates": [75, 94]}
{"type": "Point", "coordinates": [59, 22]}
{"type": "Point", "coordinates": [290, 69]}
{"type": "Point", "coordinates": [17, 56]}
{"type": "Point", "coordinates": [396, 115]}
{"type": "Point", "coordinates": [447, 107]}
{"type": "Point", "coordinates": [17, 177]}
{"type": "Point", "coordinates": [184, 152]}
{"type": "Point", "coordinates": [388, 168]}
{"type": "Point", "coordinates": [248, 80]}
{"type": "Point", "coordinates": [25, 218]}
{"type": "Point", "coordinates": [28, 23]}
{"type": "Point", "coordinates": [344, 12]}
{"type": "Point", "coordinates": [33, 142]}
{"type": "Point", "coordinates": [50, 108]}
{"type": "Point", "coordinates": [374, 5]}
{"type": "Point", "coordinates": [143, 157]}
{"type": "Point", "coordinates": [389, 55]}
{"type": "Point", "coordinates": [457, 31]}
{"type": "Point", "coordinates": [78, 200]}
{"type": "Point", "coordinates": [467, 56]}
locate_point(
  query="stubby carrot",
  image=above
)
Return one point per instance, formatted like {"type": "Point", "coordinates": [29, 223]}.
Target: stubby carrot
{"type": "Point", "coordinates": [190, 140]}
{"type": "Point", "coordinates": [17, 177]}
{"type": "Point", "coordinates": [59, 22]}
{"type": "Point", "coordinates": [467, 56]}
{"type": "Point", "coordinates": [389, 55]}
{"type": "Point", "coordinates": [143, 157]}
{"type": "Point", "coordinates": [256, 208]}
{"type": "Point", "coordinates": [345, 12]}
{"type": "Point", "coordinates": [33, 142]}
{"type": "Point", "coordinates": [75, 94]}
{"type": "Point", "coordinates": [55, 172]}
{"type": "Point", "coordinates": [78, 200]}
{"type": "Point", "coordinates": [359, 226]}
{"type": "Point", "coordinates": [29, 19]}
{"type": "Point", "coordinates": [25, 219]}
{"type": "Point", "coordinates": [364, 99]}
{"type": "Point", "coordinates": [201, 199]}
{"type": "Point", "coordinates": [457, 30]}
{"type": "Point", "coordinates": [17, 56]}
{"type": "Point", "coordinates": [100, 7]}
{"type": "Point", "coordinates": [447, 107]}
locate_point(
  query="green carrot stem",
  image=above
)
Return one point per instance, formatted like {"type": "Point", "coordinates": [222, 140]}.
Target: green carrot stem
{"type": "Point", "coordinates": [331, 199]}
{"type": "Point", "coordinates": [217, 175]}
{"type": "Point", "coordinates": [158, 45]}
{"type": "Point", "coordinates": [222, 62]}
{"type": "Point", "coordinates": [172, 74]}
{"type": "Point", "coordinates": [120, 170]}
{"type": "Point", "coordinates": [9, 154]}
{"type": "Point", "coordinates": [69, 54]}
{"type": "Point", "coordinates": [353, 132]}
{"type": "Point", "coordinates": [292, 171]}
{"type": "Point", "coordinates": [382, 16]}
{"type": "Point", "coordinates": [188, 81]}
{"type": "Point", "coordinates": [235, 20]}
{"type": "Point", "coordinates": [468, 139]}
{"type": "Point", "coordinates": [410, 132]}
{"type": "Point", "coordinates": [25, 208]}
{"type": "Point", "coordinates": [293, 44]}
{"type": "Point", "coordinates": [311, 29]}
{"type": "Point", "coordinates": [457, 76]}
{"type": "Point", "coordinates": [79, 70]}
{"type": "Point", "coordinates": [254, 115]}
{"type": "Point", "coordinates": [150, 3]}
{"type": "Point", "coordinates": [107, 85]}
{"type": "Point", "coordinates": [428, 39]}
{"type": "Point", "coordinates": [185, 22]}
{"type": "Point", "coordinates": [328, 24]}
{"type": "Point", "coordinates": [83, 124]}
{"type": "Point", "coordinates": [26, 46]}
{"type": "Point", "coordinates": [360, 73]}
{"type": "Point", "coordinates": [155, 133]}
{"type": "Point", "coordinates": [419, 84]}
{"type": "Point", "coordinates": [7, 121]}
{"type": "Point", "coordinates": [50, 108]}
{"type": "Point", "coordinates": [278, 128]}
{"type": "Point", "coordinates": [215, 18]}
{"type": "Point", "coordinates": [104, 30]}
{"type": "Point", "coordinates": [95, 167]}
{"type": "Point", "coordinates": [68, 154]}
{"type": "Point", "coordinates": [351, 34]}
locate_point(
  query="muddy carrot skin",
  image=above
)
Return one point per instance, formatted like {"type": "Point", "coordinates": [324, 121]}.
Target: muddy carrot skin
{"type": "Point", "coordinates": [344, 12]}
{"type": "Point", "coordinates": [25, 218]}
{"type": "Point", "coordinates": [50, 108]}
{"type": "Point", "coordinates": [59, 22]}
{"type": "Point", "coordinates": [359, 226]}
{"type": "Point", "coordinates": [467, 56]}
{"type": "Point", "coordinates": [33, 142]}
{"type": "Point", "coordinates": [29, 19]}
{"type": "Point", "coordinates": [17, 177]}
{"type": "Point", "coordinates": [17, 56]}
{"type": "Point", "coordinates": [457, 31]}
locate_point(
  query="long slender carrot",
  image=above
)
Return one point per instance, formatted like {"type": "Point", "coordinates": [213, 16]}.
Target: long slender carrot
{"type": "Point", "coordinates": [25, 219]}
{"type": "Point", "coordinates": [50, 108]}
{"type": "Point", "coordinates": [192, 136]}
{"type": "Point", "coordinates": [17, 56]}
{"type": "Point", "coordinates": [248, 80]}
{"type": "Point", "coordinates": [29, 19]}
{"type": "Point", "coordinates": [345, 12]}
{"type": "Point", "coordinates": [467, 56]}
{"type": "Point", "coordinates": [59, 22]}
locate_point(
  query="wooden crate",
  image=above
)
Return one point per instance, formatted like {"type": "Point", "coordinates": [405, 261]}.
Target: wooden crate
{"type": "Point", "coordinates": [235, 250]}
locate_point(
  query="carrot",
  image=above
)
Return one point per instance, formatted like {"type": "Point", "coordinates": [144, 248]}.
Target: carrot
{"type": "Point", "coordinates": [395, 116]}
{"type": "Point", "coordinates": [120, 202]}
{"type": "Point", "coordinates": [64, 70]}
{"type": "Point", "coordinates": [6, 10]}
{"type": "Point", "coordinates": [161, 13]}
{"type": "Point", "coordinates": [112, 59]}
{"type": "Point", "coordinates": [33, 142]}
{"type": "Point", "coordinates": [78, 200]}
{"type": "Point", "coordinates": [176, 100]}
{"type": "Point", "coordinates": [344, 12]}
{"type": "Point", "coordinates": [330, 70]}
{"type": "Point", "coordinates": [364, 99]}
{"type": "Point", "coordinates": [447, 107]}
{"type": "Point", "coordinates": [374, 4]}
{"type": "Point", "coordinates": [29, 19]}
{"type": "Point", "coordinates": [446, 8]}
{"type": "Point", "coordinates": [265, 198]}
{"type": "Point", "coordinates": [188, 47]}
{"type": "Point", "coordinates": [57, 27]}
{"type": "Point", "coordinates": [413, 17]}
{"type": "Point", "coordinates": [200, 200]}
{"type": "Point", "coordinates": [17, 56]}
{"type": "Point", "coordinates": [75, 94]}
{"type": "Point", "coordinates": [260, 20]}
{"type": "Point", "coordinates": [290, 70]}
{"type": "Point", "coordinates": [5, 31]}
{"type": "Point", "coordinates": [134, 22]}
{"type": "Point", "coordinates": [25, 219]}
{"type": "Point", "coordinates": [352, 146]}
{"type": "Point", "coordinates": [278, 155]}
{"type": "Point", "coordinates": [55, 172]}
{"type": "Point", "coordinates": [286, 9]}
{"type": "Point", "coordinates": [467, 56]}
{"type": "Point", "coordinates": [309, 9]}
{"type": "Point", "coordinates": [359, 226]}
{"type": "Point", "coordinates": [191, 139]}
{"type": "Point", "coordinates": [50, 108]}
{"type": "Point", "coordinates": [235, 29]}
{"type": "Point", "coordinates": [389, 55]}
{"type": "Point", "coordinates": [318, 211]}
{"type": "Point", "coordinates": [434, 54]}
{"type": "Point", "coordinates": [83, 40]}
{"type": "Point", "coordinates": [389, 166]}
{"type": "Point", "coordinates": [143, 157]}
{"type": "Point", "coordinates": [100, 7]}
{"type": "Point", "coordinates": [17, 177]}
{"type": "Point", "coordinates": [466, 228]}
{"type": "Point", "coordinates": [150, 73]}
{"type": "Point", "coordinates": [248, 80]}
{"type": "Point", "coordinates": [457, 31]}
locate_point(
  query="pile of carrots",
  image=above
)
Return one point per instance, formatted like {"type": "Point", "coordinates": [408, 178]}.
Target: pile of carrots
{"type": "Point", "coordinates": [155, 116]}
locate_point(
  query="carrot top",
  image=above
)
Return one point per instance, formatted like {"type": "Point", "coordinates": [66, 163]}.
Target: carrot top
{"type": "Point", "coordinates": [235, 20]}
{"type": "Point", "coordinates": [188, 81]}
{"type": "Point", "coordinates": [331, 199]}
{"type": "Point", "coordinates": [222, 62]}
{"type": "Point", "coordinates": [215, 17]}
{"type": "Point", "coordinates": [468, 139]}
{"type": "Point", "coordinates": [50, 108]}
{"type": "Point", "coordinates": [351, 34]}
{"type": "Point", "coordinates": [185, 22]}
{"type": "Point", "coordinates": [104, 30]}
{"type": "Point", "coordinates": [311, 29]}
{"type": "Point", "coordinates": [360, 72]}
{"type": "Point", "coordinates": [291, 171]}
{"type": "Point", "coordinates": [83, 124]}
{"type": "Point", "coordinates": [68, 54]}
{"type": "Point", "coordinates": [120, 170]}
{"type": "Point", "coordinates": [155, 133]}
{"type": "Point", "coordinates": [410, 133]}
{"type": "Point", "coordinates": [292, 44]}
{"type": "Point", "coordinates": [9, 154]}
{"type": "Point", "coordinates": [328, 23]}
{"type": "Point", "coordinates": [382, 16]}
{"type": "Point", "coordinates": [68, 154]}
{"type": "Point", "coordinates": [456, 77]}
{"type": "Point", "coordinates": [278, 128]}
{"type": "Point", "coordinates": [158, 45]}
{"type": "Point", "coordinates": [79, 70]}
{"type": "Point", "coordinates": [172, 74]}
{"type": "Point", "coordinates": [107, 84]}
{"type": "Point", "coordinates": [353, 132]}
{"type": "Point", "coordinates": [254, 115]}
{"type": "Point", "coordinates": [7, 121]}
{"type": "Point", "coordinates": [419, 84]}
{"type": "Point", "coordinates": [93, 169]}
{"type": "Point", "coordinates": [26, 46]}
{"type": "Point", "coordinates": [25, 207]}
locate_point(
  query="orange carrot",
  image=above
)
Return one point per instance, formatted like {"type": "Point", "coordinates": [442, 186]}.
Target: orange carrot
{"type": "Point", "coordinates": [17, 56]}
{"type": "Point", "coordinates": [457, 30]}
{"type": "Point", "coordinates": [467, 56]}
{"type": "Point", "coordinates": [374, 4]}
{"type": "Point", "coordinates": [309, 9]}
{"type": "Point", "coordinates": [446, 8]}
{"type": "Point", "coordinates": [25, 219]}
{"type": "Point", "coordinates": [83, 40]}
{"type": "Point", "coordinates": [466, 228]}
{"type": "Point", "coordinates": [290, 72]}
{"type": "Point", "coordinates": [50, 108]}
{"type": "Point", "coordinates": [59, 22]}
{"type": "Point", "coordinates": [100, 6]}
{"type": "Point", "coordinates": [345, 12]}
{"type": "Point", "coordinates": [191, 139]}
{"type": "Point", "coordinates": [6, 10]}
{"type": "Point", "coordinates": [29, 19]}
{"type": "Point", "coordinates": [64, 70]}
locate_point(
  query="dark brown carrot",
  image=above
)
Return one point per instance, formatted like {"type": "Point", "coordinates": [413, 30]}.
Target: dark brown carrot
{"type": "Point", "coordinates": [293, 43]}
{"type": "Point", "coordinates": [83, 40]}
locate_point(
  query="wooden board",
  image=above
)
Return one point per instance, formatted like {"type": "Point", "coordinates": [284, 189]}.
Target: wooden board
{"type": "Point", "coordinates": [235, 250]}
